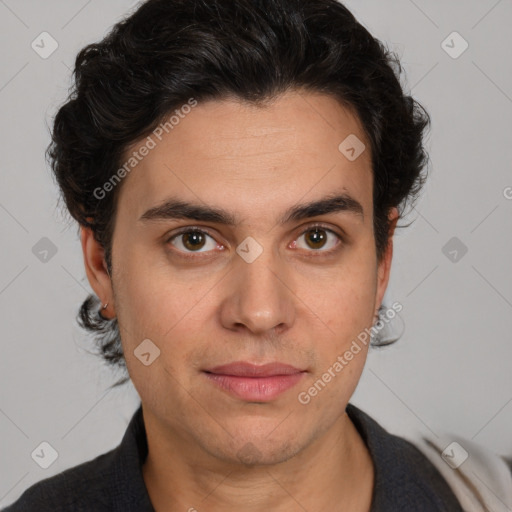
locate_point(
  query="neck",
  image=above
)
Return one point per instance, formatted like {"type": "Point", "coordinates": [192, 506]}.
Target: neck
{"type": "Point", "coordinates": [335, 468]}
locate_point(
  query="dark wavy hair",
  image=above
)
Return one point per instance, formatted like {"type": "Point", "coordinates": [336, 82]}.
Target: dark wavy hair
{"type": "Point", "coordinates": [168, 51]}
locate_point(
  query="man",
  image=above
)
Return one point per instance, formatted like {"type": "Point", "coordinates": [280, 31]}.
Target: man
{"type": "Point", "coordinates": [238, 170]}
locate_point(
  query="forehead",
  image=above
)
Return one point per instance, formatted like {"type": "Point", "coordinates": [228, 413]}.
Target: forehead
{"type": "Point", "coordinates": [258, 160]}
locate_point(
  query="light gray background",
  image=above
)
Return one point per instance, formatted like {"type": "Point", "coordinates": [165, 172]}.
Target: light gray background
{"type": "Point", "coordinates": [450, 372]}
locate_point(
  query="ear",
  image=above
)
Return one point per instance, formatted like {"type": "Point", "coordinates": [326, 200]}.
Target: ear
{"type": "Point", "coordinates": [96, 270]}
{"type": "Point", "coordinates": [384, 268]}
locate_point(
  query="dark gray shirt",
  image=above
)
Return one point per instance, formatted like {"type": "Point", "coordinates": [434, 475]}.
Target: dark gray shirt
{"type": "Point", "coordinates": [405, 480]}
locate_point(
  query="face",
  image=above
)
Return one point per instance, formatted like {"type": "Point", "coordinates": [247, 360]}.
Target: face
{"type": "Point", "coordinates": [261, 279]}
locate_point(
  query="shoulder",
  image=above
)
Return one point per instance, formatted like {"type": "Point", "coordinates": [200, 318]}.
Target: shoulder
{"type": "Point", "coordinates": [111, 481]}
{"type": "Point", "coordinates": [412, 481]}
{"type": "Point", "coordinates": [82, 488]}
{"type": "Point", "coordinates": [405, 478]}
{"type": "Point", "coordinates": [441, 471]}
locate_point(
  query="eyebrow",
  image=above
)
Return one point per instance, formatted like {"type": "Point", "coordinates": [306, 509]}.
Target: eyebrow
{"type": "Point", "coordinates": [174, 208]}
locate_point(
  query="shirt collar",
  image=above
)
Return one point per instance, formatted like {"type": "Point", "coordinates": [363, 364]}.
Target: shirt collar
{"type": "Point", "coordinates": [404, 478]}
{"type": "Point", "coordinates": [129, 490]}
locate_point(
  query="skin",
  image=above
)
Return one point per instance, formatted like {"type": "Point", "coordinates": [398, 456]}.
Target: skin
{"type": "Point", "coordinates": [293, 304]}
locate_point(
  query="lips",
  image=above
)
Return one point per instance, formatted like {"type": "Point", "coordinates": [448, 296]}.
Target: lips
{"type": "Point", "coordinates": [255, 383]}
{"type": "Point", "coordinates": [244, 369]}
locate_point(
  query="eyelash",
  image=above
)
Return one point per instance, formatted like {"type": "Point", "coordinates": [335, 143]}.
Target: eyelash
{"type": "Point", "coordinates": [194, 229]}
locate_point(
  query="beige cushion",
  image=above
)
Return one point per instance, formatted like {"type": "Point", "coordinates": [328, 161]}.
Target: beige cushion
{"type": "Point", "coordinates": [481, 479]}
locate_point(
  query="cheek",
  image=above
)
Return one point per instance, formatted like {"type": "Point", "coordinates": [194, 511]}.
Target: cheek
{"type": "Point", "coordinates": [345, 304]}
{"type": "Point", "coordinates": [154, 298]}
{"type": "Point", "coordinates": [344, 300]}
{"type": "Point", "coordinates": [172, 309]}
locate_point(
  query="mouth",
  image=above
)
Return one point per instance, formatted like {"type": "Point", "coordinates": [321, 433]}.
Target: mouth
{"type": "Point", "coordinates": [255, 383]}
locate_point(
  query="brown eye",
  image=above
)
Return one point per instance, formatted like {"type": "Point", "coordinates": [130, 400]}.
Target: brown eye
{"type": "Point", "coordinates": [316, 238]}
{"type": "Point", "coordinates": [319, 239]}
{"type": "Point", "coordinates": [192, 241]}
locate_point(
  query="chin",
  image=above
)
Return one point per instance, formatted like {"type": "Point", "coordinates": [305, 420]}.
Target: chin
{"type": "Point", "coordinates": [251, 455]}
{"type": "Point", "coordinates": [253, 451]}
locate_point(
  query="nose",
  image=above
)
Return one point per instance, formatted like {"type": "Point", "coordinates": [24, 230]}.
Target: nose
{"type": "Point", "coordinates": [259, 295]}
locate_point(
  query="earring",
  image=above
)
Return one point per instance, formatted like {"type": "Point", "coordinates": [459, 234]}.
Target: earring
{"type": "Point", "coordinates": [105, 305]}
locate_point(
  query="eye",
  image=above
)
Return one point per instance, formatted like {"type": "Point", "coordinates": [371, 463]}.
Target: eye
{"type": "Point", "coordinates": [193, 240]}
{"type": "Point", "coordinates": [318, 238]}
